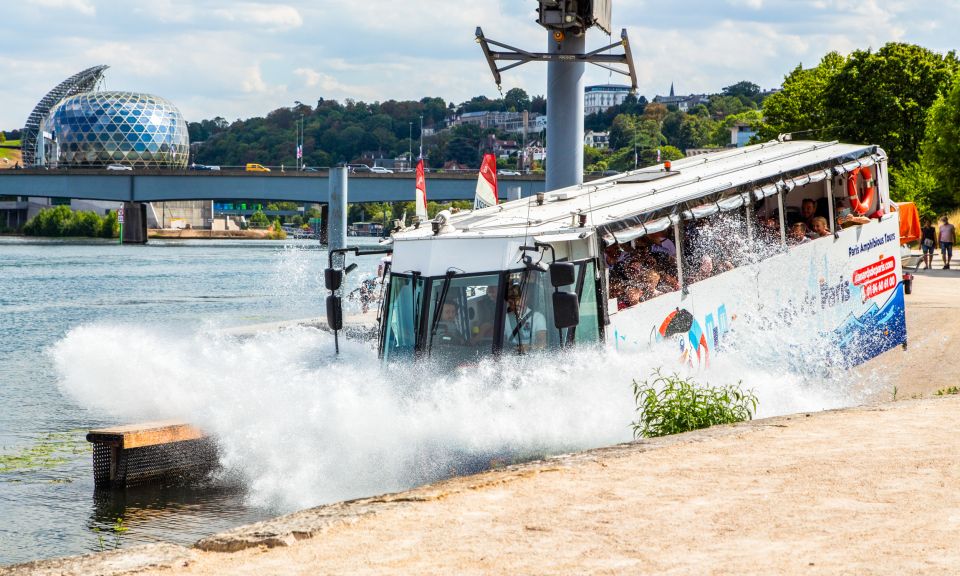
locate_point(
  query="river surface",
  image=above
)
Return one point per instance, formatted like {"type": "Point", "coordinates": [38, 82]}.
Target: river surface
{"type": "Point", "coordinates": [48, 504]}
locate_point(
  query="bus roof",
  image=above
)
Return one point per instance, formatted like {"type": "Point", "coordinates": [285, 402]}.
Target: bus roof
{"type": "Point", "coordinates": [636, 198]}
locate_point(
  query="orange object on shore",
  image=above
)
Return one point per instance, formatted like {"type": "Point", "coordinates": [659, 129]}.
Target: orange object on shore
{"type": "Point", "coordinates": [909, 222]}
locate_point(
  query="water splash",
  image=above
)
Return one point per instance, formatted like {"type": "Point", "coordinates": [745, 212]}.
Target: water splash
{"type": "Point", "coordinates": [300, 427]}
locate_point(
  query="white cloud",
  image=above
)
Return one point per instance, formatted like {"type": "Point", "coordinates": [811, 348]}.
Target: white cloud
{"type": "Point", "coordinates": [82, 6]}
{"type": "Point", "coordinates": [237, 60]}
{"type": "Point", "coordinates": [754, 4]}
{"type": "Point", "coordinates": [274, 18]}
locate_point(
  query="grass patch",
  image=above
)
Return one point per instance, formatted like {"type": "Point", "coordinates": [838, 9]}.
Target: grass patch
{"type": "Point", "coordinates": [947, 391]}
{"type": "Point", "coordinates": [11, 154]}
{"type": "Point", "coordinates": [49, 451]}
{"type": "Point", "coordinates": [670, 404]}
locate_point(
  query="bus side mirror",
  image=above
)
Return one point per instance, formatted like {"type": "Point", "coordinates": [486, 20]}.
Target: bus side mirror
{"type": "Point", "coordinates": [332, 278]}
{"type": "Point", "coordinates": [562, 274]}
{"type": "Point", "coordinates": [334, 312]}
{"type": "Point", "coordinates": [566, 310]}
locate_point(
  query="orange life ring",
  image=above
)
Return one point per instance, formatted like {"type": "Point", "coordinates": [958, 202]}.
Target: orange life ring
{"type": "Point", "coordinates": [858, 205]}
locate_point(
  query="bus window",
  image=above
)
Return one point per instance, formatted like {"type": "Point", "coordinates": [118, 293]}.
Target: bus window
{"type": "Point", "coordinates": [588, 330]}
{"type": "Point", "coordinates": [526, 311]}
{"type": "Point", "coordinates": [403, 317]}
{"type": "Point", "coordinates": [714, 245]}
{"type": "Point", "coordinates": [642, 269]}
{"type": "Point", "coordinates": [463, 311]}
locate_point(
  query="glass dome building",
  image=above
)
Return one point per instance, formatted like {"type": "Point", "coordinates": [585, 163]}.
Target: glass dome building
{"type": "Point", "coordinates": [101, 128]}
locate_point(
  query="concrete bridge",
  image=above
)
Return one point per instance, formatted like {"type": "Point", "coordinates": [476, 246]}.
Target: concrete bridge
{"type": "Point", "coordinates": [170, 185]}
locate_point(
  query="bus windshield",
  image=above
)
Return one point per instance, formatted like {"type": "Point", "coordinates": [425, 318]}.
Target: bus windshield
{"type": "Point", "coordinates": [462, 318]}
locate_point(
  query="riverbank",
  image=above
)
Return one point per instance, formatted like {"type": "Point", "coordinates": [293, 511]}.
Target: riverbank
{"type": "Point", "coordinates": [864, 490]}
{"type": "Point", "coordinates": [197, 234]}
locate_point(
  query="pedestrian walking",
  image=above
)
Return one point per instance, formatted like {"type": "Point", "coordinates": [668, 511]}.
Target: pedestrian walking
{"type": "Point", "coordinates": [948, 235]}
{"type": "Point", "coordinates": [928, 243]}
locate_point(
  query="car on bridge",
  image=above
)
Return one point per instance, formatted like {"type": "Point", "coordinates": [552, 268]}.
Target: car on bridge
{"type": "Point", "coordinates": [381, 170]}
{"type": "Point", "coordinates": [203, 167]}
{"type": "Point", "coordinates": [119, 167]}
{"type": "Point", "coordinates": [257, 168]}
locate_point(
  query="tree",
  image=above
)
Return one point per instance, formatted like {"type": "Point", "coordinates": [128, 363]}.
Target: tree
{"type": "Point", "coordinates": [695, 132]}
{"type": "Point", "coordinates": [800, 107]}
{"type": "Point", "coordinates": [655, 111]}
{"type": "Point", "coordinates": [941, 149]}
{"type": "Point", "coordinates": [516, 100]}
{"type": "Point", "coordinates": [742, 88]}
{"type": "Point", "coordinates": [3, 137]}
{"type": "Point", "coordinates": [914, 183]}
{"type": "Point", "coordinates": [463, 151]}
{"type": "Point", "coordinates": [622, 131]}
{"type": "Point", "coordinates": [883, 97]}
{"type": "Point", "coordinates": [538, 105]}
{"type": "Point", "coordinates": [721, 130]}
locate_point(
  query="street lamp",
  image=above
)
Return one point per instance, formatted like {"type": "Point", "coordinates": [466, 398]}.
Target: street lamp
{"type": "Point", "coordinates": [421, 136]}
{"type": "Point", "coordinates": [410, 143]}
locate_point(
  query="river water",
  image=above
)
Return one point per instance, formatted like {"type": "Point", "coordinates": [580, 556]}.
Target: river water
{"type": "Point", "coordinates": [95, 334]}
{"type": "Point", "coordinates": [176, 291]}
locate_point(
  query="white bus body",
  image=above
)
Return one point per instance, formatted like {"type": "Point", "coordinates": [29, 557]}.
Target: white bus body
{"type": "Point", "coordinates": [452, 279]}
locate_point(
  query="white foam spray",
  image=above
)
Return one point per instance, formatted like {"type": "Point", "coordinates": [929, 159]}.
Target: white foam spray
{"type": "Point", "coordinates": [299, 426]}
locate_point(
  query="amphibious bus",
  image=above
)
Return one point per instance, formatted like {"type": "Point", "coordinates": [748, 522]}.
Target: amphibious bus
{"type": "Point", "coordinates": [682, 252]}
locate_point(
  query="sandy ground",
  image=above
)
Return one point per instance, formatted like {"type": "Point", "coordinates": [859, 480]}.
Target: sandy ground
{"type": "Point", "coordinates": [869, 490]}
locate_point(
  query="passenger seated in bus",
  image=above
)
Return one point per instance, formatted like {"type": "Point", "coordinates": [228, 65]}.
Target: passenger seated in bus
{"type": "Point", "coordinates": [448, 327]}
{"type": "Point", "coordinates": [648, 282]}
{"type": "Point", "coordinates": [846, 218]}
{"type": "Point", "coordinates": [524, 329]}
{"type": "Point", "coordinates": [629, 298]}
{"type": "Point", "coordinates": [661, 244]}
{"type": "Point", "coordinates": [616, 266]}
{"type": "Point", "coordinates": [768, 231]}
{"type": "Point", "coordinates": [486, 315]}
{"type": "Point", "coordinates": [808, 211]}
{"type": "Point", "coordinates": [820, 226]}
{"type": "Point", "coordinates": [797, 234]}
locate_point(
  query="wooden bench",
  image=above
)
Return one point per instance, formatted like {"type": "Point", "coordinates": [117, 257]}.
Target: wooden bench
{"type": "Point", "coordinates": [151, 451]}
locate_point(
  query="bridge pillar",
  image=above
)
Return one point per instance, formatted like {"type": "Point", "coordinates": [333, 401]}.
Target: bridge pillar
{"type": "Point", "coordinates": [134, 223]}
{"type": "Point", "coordinates": [337, 229]}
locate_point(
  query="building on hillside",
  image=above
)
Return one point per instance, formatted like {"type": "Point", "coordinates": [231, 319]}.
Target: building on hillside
{"type": "Point", "coordinates": [502, 148]}
{"type": "Point", "coordinates": [740, 134]}
{"type": "Point", "coordinates": [599, 140]}
{"type": "Point", "coordinates": [502, 121]}
{"type": "Point", "coordinates": [602, 97]}
{"type": "Point", "coordinates": [683, 103]}
{"type": "Point", "coordinates": [454, 166]}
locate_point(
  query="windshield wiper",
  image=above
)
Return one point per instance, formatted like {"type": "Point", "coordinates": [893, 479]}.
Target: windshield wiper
{"type": "Point", "coordinates": [439, 305]}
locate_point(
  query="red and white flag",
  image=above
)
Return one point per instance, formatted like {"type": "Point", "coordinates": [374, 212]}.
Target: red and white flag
{"type": "Point", "coordinates": [486, 183]}
{"type": "Point", "coordinates": [421, 193]}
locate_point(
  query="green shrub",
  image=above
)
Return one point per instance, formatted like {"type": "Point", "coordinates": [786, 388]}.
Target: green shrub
{"type": "Point", "coordinates": [276, 231]}
{"type": "Point", "coordinates": [670, 404]}
{"type": "Point", "coordinates": [61, 221]}
{"type": "Point", "coordinates": [110, 228]}
{"type": "Point", "coordinates": [259, 220]}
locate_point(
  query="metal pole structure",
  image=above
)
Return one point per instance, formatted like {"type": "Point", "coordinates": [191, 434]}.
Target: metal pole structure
{"type": "Point", "coordinates": [565, 83]}
{"type": "Point", "coordinates": [410, 144]}
{"type": "Point", "coordinates": [421, 136]}
{"type": "Point", "coordinates": [337, 226]}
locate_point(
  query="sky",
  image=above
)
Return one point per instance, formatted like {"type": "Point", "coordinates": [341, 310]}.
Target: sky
{"type": "Point", "coordinates": [239, 59]}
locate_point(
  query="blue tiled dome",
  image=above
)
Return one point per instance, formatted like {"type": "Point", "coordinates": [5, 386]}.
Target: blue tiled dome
{"type": "Point", "coordinates": [101, 128]}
